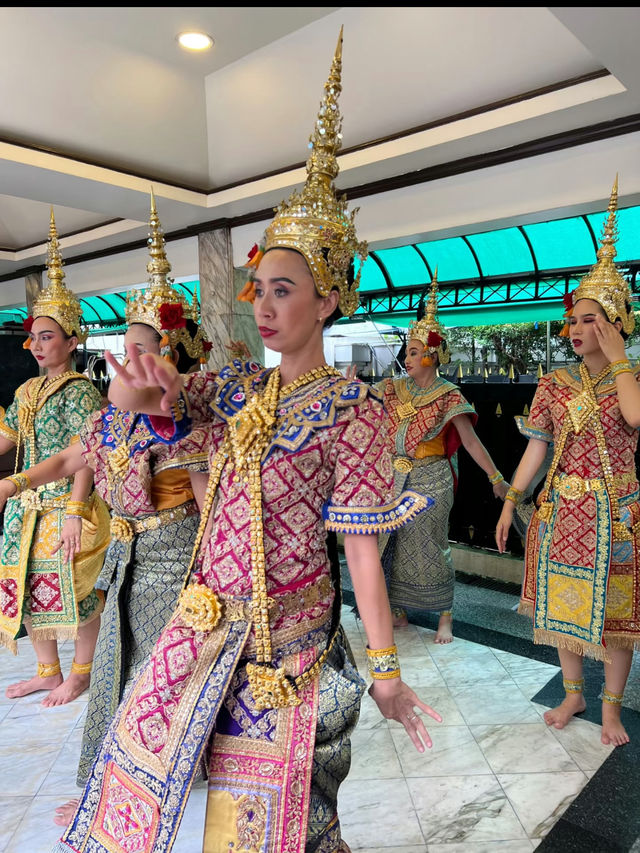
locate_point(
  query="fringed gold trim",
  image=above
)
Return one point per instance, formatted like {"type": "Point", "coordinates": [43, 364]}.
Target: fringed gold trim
{"type": "Point", "coordinates": [8, 642]}
{"type": "Point", "coordinates": [41, 634]}
{"type": "Point", "coordinates": [526, 609]}
{"type": "Point", "coordinates": [617, 641]}
{"type": "Point", "coordinates": [559, 641]}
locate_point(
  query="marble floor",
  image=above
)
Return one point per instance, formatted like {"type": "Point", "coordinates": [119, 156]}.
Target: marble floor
{"type": "Point", "coordinates": [495, 781]}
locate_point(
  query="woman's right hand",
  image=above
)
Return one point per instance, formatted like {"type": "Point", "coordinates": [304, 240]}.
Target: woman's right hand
{"type": "Point", "coordinates": [7, 490]}
{"type": "Point", "coordinates": [504, 523]}
{"type": "Point", "coordinates": [148, 371]}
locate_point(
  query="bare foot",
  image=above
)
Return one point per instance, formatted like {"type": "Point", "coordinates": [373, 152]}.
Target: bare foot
{"type": "Point", "coordinates": [65, 812]}
{"type": "Point", "coordinates": [75, 684]}
{"type": "Point", "coordinates": [399, 619]}
{"type": "Point", "coordinates": [573, 703]}
{"type": "Point", "coordinates": [613, 732]}
{"type": "Point", "coordinates": [445, 632]}
{"type": "Point", "coordinates": [32, 685]}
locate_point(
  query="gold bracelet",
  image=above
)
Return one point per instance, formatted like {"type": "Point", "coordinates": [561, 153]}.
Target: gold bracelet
{"type": "Point", "coordinates": [496, 478]}
{"type": "Point", "coordinates": [20, 481]}
{"type": "Point", "coordinates": [77, 509]}
{"type": "Point", "coordinates": [383, 663]}
{"type": "Point", "coordinates": [513, 495]}
{"type": "Point", "coordinates": [624, 361]}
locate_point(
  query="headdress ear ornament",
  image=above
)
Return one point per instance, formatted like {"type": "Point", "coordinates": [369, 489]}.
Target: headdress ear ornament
{"type": "Point", "coordinates": [57, 301]}
{"type": "Point", "coordinates": [604, 283]}
{"type": "Point", "coordinates": [161, 305]}
{"type": "Point", "coordinates": [314, 221]}
{"type": "Point", "coordinates": [426, 328]}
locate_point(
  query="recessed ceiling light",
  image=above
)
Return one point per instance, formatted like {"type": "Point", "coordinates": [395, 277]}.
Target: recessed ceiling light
{"type": "Point", "coordinates": [195, 41]}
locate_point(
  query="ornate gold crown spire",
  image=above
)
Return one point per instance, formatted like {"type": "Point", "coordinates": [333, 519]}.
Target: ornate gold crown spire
{"type": "Point", "coordinates": [57, 301]}
{"type": "Point", "coordinates": [427, 329]}
{"type": "Point", "coordinates": [314, 221]}
{"type": "Point", "coordinates": [161, 305]}
{"type": "Point", "coordinates": [604, 283]}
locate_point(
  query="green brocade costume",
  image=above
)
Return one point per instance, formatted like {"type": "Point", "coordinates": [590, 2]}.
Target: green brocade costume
{"type": "Point", "coordinates": [44, 418]}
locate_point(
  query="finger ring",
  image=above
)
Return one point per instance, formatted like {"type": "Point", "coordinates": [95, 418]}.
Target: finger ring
{"type": "Point", "coordinates": [412, 717]}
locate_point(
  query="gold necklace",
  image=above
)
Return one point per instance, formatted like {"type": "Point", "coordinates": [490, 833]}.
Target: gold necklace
{"type": "Point", "coordinates": [325, 370]}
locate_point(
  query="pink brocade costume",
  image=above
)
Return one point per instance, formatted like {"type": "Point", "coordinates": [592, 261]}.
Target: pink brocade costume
{"type": "Point", "coordinates": [327, 467]}
{"type": "Point", "coordinates": [582, 584]}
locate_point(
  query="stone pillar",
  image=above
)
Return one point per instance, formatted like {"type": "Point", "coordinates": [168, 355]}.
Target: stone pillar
{"type": "Point", "coordinates": [223, 317]}
{"type": "Point", "coordinates": [33, 288]}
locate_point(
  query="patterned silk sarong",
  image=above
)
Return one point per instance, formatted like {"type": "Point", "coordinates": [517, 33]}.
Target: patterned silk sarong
{"type": "Point", "coordinates": [144, 578]}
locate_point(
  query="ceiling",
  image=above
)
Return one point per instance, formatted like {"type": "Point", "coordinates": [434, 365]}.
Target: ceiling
{"type": "Point", "coordinates": [455, 120]}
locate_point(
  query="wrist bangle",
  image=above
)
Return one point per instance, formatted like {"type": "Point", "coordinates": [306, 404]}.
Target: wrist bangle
{"type": "Point", "coordinates": [622, 361]}
{"type": "Point", "coordinates": [513, 495]}
{"type": "Point", "coordinates": [383, 663]}
{"type": "Point", "coordinates": [77, 509]}
{"type": "Point", "coordinates": [20, 481]}
{"type": "Point", "coordinates": [496, 478]}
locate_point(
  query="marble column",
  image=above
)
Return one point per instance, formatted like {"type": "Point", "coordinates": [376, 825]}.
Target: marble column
{"type": "Point", "coordinates": [33, 288]}
{"type": "Point", "coordinates": [223, 317]}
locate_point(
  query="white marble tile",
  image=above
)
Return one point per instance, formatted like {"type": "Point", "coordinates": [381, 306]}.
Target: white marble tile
{"type": "Point", "coordinates": [190, 834]}
{"type": "Point", "coordinates": [581, 739]}
{"type": "Point", "coordinates": [36, 833]}
{"type": "Point", "coordinates": [370, 716]}
{"type": "Point", "coordinates": [477, 668]}
{"type": "Point", "coordinates": [373, 755]}
{"type": "Point", "coordinates": [529, 747]}
{"type": "Point", "coordinates": [413, 848]}
{"type": "Point", "coordinates": [540, 799]}
{"type": "Point", "coordinates": [23, 766]}
{"type": "Point", "coordinates": [60, 781]}
{"type": "Point", "coordinates": [378, 811]}
{"type": "Point", "coordinates": [470, 809]}
{"type": "Point", "coordinates": [523, 846]}
{"type": "Point", "coordinates": [12, 810]}
{"type": "Point", "coordinates": [454, 753]}
{"type": "Point", "coordinates": [421, 672]}
{"type": "Point", "coordinates": [496, 704]}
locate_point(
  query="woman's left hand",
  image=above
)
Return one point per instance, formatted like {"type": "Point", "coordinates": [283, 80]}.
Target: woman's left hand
{"type": "Point", "coordinates": [70, 539]}
{"type": "Point", "coordinates": [500, 489]}
{"type": "Point", "coordinates": [609, 339]}
{"type": "Point", "coordinates": [397, 701]}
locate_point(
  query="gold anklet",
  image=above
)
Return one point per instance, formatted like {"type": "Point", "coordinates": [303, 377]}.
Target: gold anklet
{"type": "Point", "coordinates": [573, 686]}
{"type": "Point", "coordinates": [611, 698]}
{"type": "Point", "coordinates": [46, 670]}
{"type": "Point", "coordinates": [81, 668]}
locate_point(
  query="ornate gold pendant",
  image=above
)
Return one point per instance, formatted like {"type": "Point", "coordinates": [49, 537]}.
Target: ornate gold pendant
{"type": "Point", "coordinates": [406, 410]}
{"type": "Point", "coordinates": [581, 409]}
{"type": "Point", "coordinates": [402, 464]}
{"type": "Point", "coordinates": [251, 424]}
{"type": "Point", "coordinates": [118, 460]}
{"type": "Point", "coordinates": [270, 687]}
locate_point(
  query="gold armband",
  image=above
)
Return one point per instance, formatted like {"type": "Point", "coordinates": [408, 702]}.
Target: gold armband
{"type": "Point", "coordinates": [383, 663]}
{"type": "Point", "coordinates": [513, 495]}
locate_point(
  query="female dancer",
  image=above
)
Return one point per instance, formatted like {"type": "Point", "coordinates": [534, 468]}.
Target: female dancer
{"type": "Point", "coordinates": [155, 517]}
{"type": "Point", "coordinates": [54, 537]}
{"type": "Point", "coordinates": [581, 556]}
{"type": "Point", "coordinates": [250, 669]}
{"type": "Point", "coordinates": [428, 421]}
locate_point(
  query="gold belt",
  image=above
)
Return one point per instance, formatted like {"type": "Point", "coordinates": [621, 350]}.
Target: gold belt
{"type": "Point", "coordinates": [201, 608]}
{"type": "Point", "coordinates": [404, 464]}
{"type": "Point", "coordinates": [124, 529]}
{"type": "Point", "coordinates": [32, 498]}
{"type": "Point", "coordinates": [573, 487]}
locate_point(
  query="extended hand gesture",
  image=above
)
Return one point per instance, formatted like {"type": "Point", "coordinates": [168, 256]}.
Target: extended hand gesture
{"type": "Point", "coordinates": [397, 701]}
{"type": "Point", "coordinates": [148, 371]}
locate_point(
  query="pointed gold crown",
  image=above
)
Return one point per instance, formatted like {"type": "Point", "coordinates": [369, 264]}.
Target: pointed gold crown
{"type": "Point", "coordinates": [314, 221]}
{"type": "Point", "coordinates": [162, 306]}
{"type": "Point", "coordinates": [604, 283]}
{"type": "Point", "coordinates": [428, 330]}
{"type": "Point", "coordinates": [57, 301]}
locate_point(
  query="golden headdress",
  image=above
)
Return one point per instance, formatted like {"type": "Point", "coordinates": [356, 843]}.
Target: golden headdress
{"type": "Point", "coordinates": [314, 221]}
{"type": "Point", "coordinates": [426, 327]}
{"type": "Point", "coordinates": [162, 306]}
{"type": "Point", "coordinates": [604, 283]}
{"type": "Point", "coordinates": [57, 301]}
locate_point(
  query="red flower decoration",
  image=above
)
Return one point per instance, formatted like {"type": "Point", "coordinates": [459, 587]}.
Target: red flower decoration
{"type": "Point", "coordinates": [434, 339]}
{"type": "Point", "coordinates": [172, 316]}
{"type": "Point", "coordinates": [568, 301]}
{"type": "Point", "coordinates": [27, 324]}
{"type": "Point", "coordinates": [207, 346]}
{"type": "Point", "coordinates": [252, 251]}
